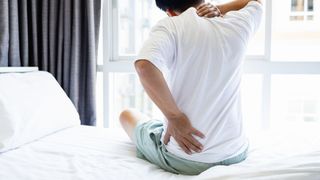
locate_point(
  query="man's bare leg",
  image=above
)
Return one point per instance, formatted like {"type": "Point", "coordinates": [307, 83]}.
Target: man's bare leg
{"type": "Point", "coordinates": [129, 119]}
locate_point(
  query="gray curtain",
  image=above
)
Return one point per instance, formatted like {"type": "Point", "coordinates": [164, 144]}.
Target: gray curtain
{"type": "Point", "coordinates": [58, 36]}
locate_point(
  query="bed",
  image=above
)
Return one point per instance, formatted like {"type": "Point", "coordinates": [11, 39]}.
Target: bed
{"type": "Point", "coordinates": [84, 152]}
{"type": "Point", "coordinates": [68, 150]}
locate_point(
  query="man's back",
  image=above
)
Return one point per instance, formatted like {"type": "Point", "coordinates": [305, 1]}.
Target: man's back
{"type": "Point", "coordinates": [202, 60]}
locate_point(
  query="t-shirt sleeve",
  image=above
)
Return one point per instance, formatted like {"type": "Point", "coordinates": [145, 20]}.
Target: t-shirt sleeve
{"type": "Point", "coordinates": [247, 19]}
{"type": "Point", "coordinates": [159, 48]}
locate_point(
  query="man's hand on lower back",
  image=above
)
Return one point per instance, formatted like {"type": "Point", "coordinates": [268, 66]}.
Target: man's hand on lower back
{"type": "Point", "coordinates": [180, 128]}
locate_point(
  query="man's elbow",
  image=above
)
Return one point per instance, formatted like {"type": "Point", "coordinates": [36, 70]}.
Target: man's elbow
{"type": "Point", "coordinates": [259, 1]}
{"type": "Point", "coordinates": [142, 67]}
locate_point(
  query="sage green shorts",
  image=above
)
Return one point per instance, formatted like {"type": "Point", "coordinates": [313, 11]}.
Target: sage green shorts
{"type": "Point", "coordinates": [147, 137]}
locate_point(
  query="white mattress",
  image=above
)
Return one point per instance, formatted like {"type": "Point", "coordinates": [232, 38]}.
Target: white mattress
{"type": "Point", "coordinates": [93, 153]}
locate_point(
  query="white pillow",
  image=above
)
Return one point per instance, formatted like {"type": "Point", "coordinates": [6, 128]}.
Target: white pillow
{"type": "Point", "coordinates": [32, 105]}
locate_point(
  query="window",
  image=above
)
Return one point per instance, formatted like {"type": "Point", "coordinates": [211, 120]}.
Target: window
{"type": "Point", "coordinates": [282, 66]}
{"type": "Point", "coordinates": [295, 40]}
{"type": "Point", "coordinates": [301, 10]}
{"type": "Point", "coordinates": [295, 99]}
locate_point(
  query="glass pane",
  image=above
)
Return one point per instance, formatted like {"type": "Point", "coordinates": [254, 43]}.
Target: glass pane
{"type": "Point", "coordinates": [99, 99]}
{"type": "Point", "coordinates": [127, 92]}
{"type": "Point", "coordinates": [310, 17]}
{"type": "Point", "coordinates": [137, 17]}
{"type": "Point", "coordinates": [297, 5]}
{"type": "Point", "coordinates": [295, 35]}
{"type": "Point", "coordinates": [296, 18]}
{"type": "Point", "coordinates": [100, 45]}
{"type": "Point", "coordinates": [310, 5]}
{"type": "Point", "coordinates": [295, 99]}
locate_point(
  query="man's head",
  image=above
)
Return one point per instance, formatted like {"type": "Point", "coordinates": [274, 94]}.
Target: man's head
{"type": "Point", "coordinates": [174, 7]}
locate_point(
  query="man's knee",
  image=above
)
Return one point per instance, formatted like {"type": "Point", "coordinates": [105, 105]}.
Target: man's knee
{"type": "Point", "coordinates": [129, 116]}
{"type": "Point", "coordinates": [125, 115]}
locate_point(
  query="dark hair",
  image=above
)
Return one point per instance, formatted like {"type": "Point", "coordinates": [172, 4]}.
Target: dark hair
{"type": "Point", "coordinates": [177, 5]}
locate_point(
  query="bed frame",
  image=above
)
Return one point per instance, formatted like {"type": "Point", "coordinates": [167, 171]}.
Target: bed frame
{"type": "Point", "coordinates": [18, 69]}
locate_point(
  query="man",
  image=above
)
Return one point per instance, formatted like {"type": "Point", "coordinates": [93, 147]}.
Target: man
{"type": "Point", "coordinates": [201, 59]}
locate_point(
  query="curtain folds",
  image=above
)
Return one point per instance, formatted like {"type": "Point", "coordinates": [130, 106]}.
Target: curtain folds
{"type": "Point", "coordinates": [58, 36]}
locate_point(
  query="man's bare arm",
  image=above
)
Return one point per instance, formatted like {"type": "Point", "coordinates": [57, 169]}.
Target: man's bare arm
{"type": "Point", "coordinates": [179, 126]}
{"type": "Point", "coordinates": [209, 10]}
{"type": "Point", "coordinates": [234, 5]}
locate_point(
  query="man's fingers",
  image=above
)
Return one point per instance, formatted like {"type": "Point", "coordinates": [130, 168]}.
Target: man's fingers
{"type": "Point", "coordinates": [205, 6]}
{"type": "Point", "coordinates": [194, 142]}
{"type": "Point", "coordinates": [212, 14]}
{"type": "Point", "coordinates": [201, 6]}
{"type": "Point", "coordinates": [166, 138]}
{"type": "Point", "coordinates": [207, 11]}
{"type": "Point", "coordinates": [204, 11]}
{"type": "Point", "coordinates": [197, 133]}
{"type": "Point", "coordinates": [209, 15]}
{"type": "Point", "coordinates": [191, 146]}
{"type": "Point", "coordinates": [183, 146]}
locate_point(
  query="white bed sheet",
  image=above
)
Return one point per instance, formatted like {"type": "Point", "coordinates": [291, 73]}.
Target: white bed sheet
{"type": "Point", "coordinates": [94, 153]}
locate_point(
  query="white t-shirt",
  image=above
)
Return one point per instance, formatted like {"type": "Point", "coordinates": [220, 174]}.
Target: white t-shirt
{"type": "Point", "coordinates": [201, 59]}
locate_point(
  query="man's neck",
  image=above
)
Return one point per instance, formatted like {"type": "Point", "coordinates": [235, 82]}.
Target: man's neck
{"type": "Point", "coordinates": [177, 13]}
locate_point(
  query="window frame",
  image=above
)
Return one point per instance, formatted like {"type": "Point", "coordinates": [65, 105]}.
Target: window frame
{"type": "Point", "coordinates": [256, 64]}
